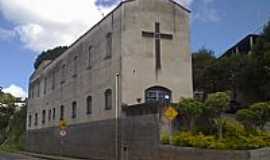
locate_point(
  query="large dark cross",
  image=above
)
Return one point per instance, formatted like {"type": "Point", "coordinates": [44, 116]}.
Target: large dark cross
{"type": "Point", "coordinates": [157, 35]}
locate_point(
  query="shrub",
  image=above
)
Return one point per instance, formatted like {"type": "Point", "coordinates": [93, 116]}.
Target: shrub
{"type": "Point", "coordinates": [165, 138]}
{"type": "Point", "coordinates": [218, 103]}
{"type": "Point", "coordinates": [262, 111]}
{"type": "Point", "coordinates": [233, 128]}
{"type": "Point", "coordinates": [247, 117]}
{"type": "Point", "coordinates": [187, 139]}
{"type": "Point", "coordinates": [190, 109]}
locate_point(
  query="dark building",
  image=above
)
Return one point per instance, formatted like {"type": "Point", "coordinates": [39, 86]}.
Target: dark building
{"type": "Point", "coordinates": [244, 46]}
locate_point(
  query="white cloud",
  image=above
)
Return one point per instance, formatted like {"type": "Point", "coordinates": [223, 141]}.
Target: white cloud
{"type": "Point", "coordinates": [16, 91]}
{"type": "Point", "coordinates": [6, 34]}
{"type": "Point", "coordinates": [206, 12]}
{"type": "Point", "coordinates": [43, 24]}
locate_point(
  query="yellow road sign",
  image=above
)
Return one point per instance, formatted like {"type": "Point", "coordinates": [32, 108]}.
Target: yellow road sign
{"type": "Point", "coordinates": [171, 113]}
{"type": "Point", "coordinates": [63, 124]}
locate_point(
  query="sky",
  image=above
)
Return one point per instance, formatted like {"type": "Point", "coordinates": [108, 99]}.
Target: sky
{"type": "Point", "coordinates": [27, 27]}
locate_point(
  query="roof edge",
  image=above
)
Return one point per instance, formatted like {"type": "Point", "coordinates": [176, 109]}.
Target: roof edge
{"type": "Point", "coordinates": [181, 6]}
{"type": "Point", "coordinates": [89, 30]}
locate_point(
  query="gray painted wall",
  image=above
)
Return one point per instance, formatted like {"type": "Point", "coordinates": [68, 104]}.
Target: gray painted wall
{"type": "Point", "coordinates": [132, 57]}
{"type": "Point", "coordinates": [96, 140]}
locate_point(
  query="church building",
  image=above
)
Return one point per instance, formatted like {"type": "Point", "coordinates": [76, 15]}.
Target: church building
{"type": "Point", "coordinates": [138, 54]}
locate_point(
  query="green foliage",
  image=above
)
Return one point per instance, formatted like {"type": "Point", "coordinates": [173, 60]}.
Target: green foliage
{"type": "Point", "coordinates": [165, 138]}
{"type": "Point", "coordinates": [49, 55]}
{"type": "Point", "coordinates": [16, 130]}
{"type": "Point", "coordinates": [7, 109]}
{"type": "Point", "coordinates": [12, 123]}
{"type": "Point", "coordinates": [6, 99]}
{"type": "Point", "coordinates": [266, 32]}
{"type": "Point", "coordinates": [190, 109]}
{"type": "Point", "coordinates": [187, 139]}
{"type": "Point", "coordinates": [244, 73]}
{"type": "Point", "coordinates": [218, 102]}
{"type": "Point", "coordinates": [201, 60]}
{"type": "Point", "coordinates": [262, 111]}
{"type": "Point", "coordinates": [247, 117]}
{"type": "Point", "coordinates": [233, 128]}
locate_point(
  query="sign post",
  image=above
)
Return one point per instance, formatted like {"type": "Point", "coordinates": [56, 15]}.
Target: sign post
{"type": "Point", "coordinates": [62, 133]}
{"type": "Point", "coordinates": [170, 114]}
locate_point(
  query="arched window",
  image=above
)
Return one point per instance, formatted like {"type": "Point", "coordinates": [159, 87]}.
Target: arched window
{"type": "Point", "coordinates": [74, 110]}
{"type": "Point", "coordinates": [30, 121]}
{"type": "Point", "coordinates": [62, 110]}
{"type": "Point", "coordinates": [54, 113]}
{"type": "Point", "coordinates": [108, 99]}
{"type": "Point", "coordinates": [43, 117]}
{"type": "Point", "coordinates": [50, 115]}
{"type": "Point", "coordinates": [89, 105]}
{"type": "Point", "coordinates": [158, 94]}
{"type": "Point", "coordinates": [36, 119]}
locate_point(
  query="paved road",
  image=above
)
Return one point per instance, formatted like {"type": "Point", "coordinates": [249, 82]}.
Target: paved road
{"type": "Point", "coordinates": [9, 156]}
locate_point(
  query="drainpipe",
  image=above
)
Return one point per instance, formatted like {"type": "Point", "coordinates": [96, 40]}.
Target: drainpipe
{"type": "Point", "coordinates": [117, 77]}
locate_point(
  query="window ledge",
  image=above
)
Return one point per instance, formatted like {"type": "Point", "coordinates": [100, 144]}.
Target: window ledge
{"type": "Point", "coordinates": [74, 75]}
{"type": "Point", "coordinates": [107, 57]}
{"type": "Point", "coordinates": [89, 67]}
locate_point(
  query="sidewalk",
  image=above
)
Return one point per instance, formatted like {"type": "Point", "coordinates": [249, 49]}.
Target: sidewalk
{"type": "Point", "coordinates": [49, 157]}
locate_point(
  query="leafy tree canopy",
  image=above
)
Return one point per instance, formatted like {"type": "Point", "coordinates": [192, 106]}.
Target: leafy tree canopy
{"type": "Point", "coordinates": [50, 54]}
{"type": "Point", "coordinates": [191, 110]}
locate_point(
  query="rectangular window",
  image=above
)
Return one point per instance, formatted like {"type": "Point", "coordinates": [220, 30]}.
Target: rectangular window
{"type": "Point", "coordinates": [63, 73]}
{"type": "Point", "coordinates": [90, 57]}
{"type": "Point", "coordinates": [89, 105]}
{"type": "Point", "coordinates": [74, 110]}
{"type": "Point", "coordinates": [62, 112]}
{"type": "Point", "coordinates": [30, 91]}
{"type": "Point", "coordinates": [108, 45]}
{"type": "Point", "coordinates": [108, 99]}
{"type": "Point", "coordinates": [45, 85]}
{"type": "Point", "coordinates": [33, 90]}
{"type": "Point", "coordinates": [38, 89]}
{"type": "Point", "coordinates": [75, 65]}
{"type": "Point", "coordinates": [53, 80]}
{"type": "Point", "coordinates": [50, 115]}
{"type": "Point", "coordinates": [36, 119]}
{"type": "Point", "coordinates": [30, 121]}
{"type": "Point", "coordinates": [43, 117]}
{"type": "Point", "coordinates": [54, 114]}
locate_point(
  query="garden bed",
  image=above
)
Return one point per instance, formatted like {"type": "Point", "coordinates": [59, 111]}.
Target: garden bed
{"type": "Point", "coordinates": [167, 152]}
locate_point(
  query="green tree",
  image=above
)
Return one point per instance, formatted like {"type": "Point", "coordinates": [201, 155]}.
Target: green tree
{"type": "Point", "coordinates": [247, 117]}
{"type": "Point", "coordinates": [50, 54]}
{"type": "Point", "coordinates": [201, 60]}
{"type": "Point", "coordinates": [217, 103]}
{"type": "Point", "coordinates": [190, 109]}
{"type": "Point", "coordinates": [7, 109]}
{"type": "Point", "coordinates": [262, 111]}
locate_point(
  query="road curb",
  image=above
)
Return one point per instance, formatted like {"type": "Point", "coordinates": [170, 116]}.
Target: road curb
{"type": "Point", "coordinates": [49, 157]}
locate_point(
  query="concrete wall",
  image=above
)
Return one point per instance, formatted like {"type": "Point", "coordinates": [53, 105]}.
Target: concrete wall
{"type": "Point", "coordinates": [138, 52]}
{"type": "Point", "coordinates": [181, 153]}
{"type": "Point", "coordinates": [139, 140]}
{"type": "Point", "coordinates": [96, 140]}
